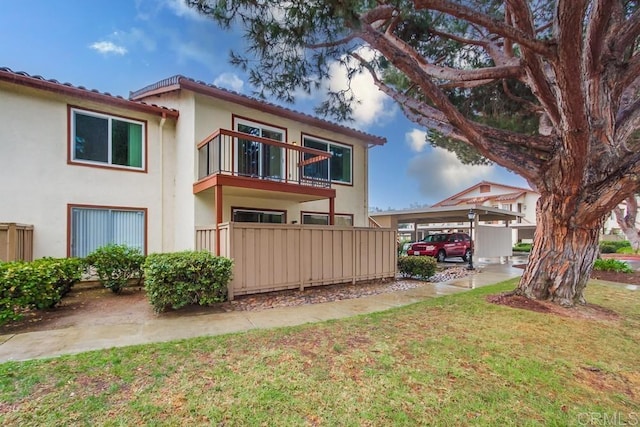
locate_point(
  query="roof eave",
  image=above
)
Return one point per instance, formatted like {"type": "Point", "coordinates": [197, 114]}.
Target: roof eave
{"type": "Point", "coordinates": [67, 89]}
{"type": "Point", "coordinates": [182, 82]}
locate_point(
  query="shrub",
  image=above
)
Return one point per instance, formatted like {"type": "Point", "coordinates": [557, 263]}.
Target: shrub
{"type": "Point", "coordinates": [38, 284]}
{"type": "Point", "coordinates": [115, 265]}
{"type": "Point", "coordinates": [626, 250]}
{"type": "Point", "coordinates": [421, 267]}
{"type": "Point", "coordinates": [67, 272]}
{"type": "Point", "coordinates": [182, 278]}
{"type": "Point", "coordinates": [522, 247]}
{"type": "Point", "coordinates": [611, 247]}
{"type": "Point", "coordinates": [612, 265]}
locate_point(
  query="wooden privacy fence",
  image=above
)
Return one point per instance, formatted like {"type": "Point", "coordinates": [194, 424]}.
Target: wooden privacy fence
{"type": "Point", "coordinates": [269, 257]}
{"type": "Point", "coordinates": [16, 242]}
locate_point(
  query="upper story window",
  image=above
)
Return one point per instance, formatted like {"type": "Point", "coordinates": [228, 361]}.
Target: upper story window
{"type": "Point", "coordinates": [105, 140]}
{"type": "Point", "coordinates": [337, 168]}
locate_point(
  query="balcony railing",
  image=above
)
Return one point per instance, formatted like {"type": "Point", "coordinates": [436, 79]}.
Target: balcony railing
{"type": "Point", "coordinates": [239, 154]}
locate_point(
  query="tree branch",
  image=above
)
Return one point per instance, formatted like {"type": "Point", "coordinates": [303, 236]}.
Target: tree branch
{"type": "Point", "coordinates": [524, 153]}
{"type": "Point", "coordinates": [625, 34]}
{"type": "Point", "coordinates": [539, 81]}
{"type": "Point", "coordinates": [468, 14]}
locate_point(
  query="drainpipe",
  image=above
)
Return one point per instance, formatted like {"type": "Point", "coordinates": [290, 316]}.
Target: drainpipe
{"type": "Point", "coordinates": [366, 181]}
{"type": "Point", "coordinates": [162, 173]}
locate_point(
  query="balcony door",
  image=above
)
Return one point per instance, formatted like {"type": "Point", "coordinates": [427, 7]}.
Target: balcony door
{"type": "Point", "coordinates": [258, 159]}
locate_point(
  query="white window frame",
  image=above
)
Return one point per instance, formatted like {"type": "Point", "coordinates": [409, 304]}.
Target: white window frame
{"type": "Point", "coordinates": [329, 144]}
{"type": "Point", "coordinates": [109, 163]}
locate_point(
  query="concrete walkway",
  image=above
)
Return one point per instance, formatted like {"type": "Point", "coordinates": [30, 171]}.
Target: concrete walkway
{"type": "Point", "coordinates": [45, 344]}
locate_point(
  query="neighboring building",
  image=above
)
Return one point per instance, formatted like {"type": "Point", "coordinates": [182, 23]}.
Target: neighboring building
{"type": "Point", "coordinates": [500, 196]}
{"type": "Point", "coordinates": [500, 199]}
{"type": "Point", "coordinates": [87, 168]}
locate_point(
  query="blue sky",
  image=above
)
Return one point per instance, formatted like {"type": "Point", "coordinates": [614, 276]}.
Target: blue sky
{"type": "Point", "coordinates": [118, 46]}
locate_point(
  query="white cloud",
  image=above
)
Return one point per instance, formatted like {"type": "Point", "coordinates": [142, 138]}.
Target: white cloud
{"type": "Point", "coordinates": [107, 48]}
{"type": "Point", "coordinates": [373, 106]}
{"type": "Point", "coordinates": [229, 81]}
{"type": "Point", "coordinates": [180, 8]}
{"type": "Point", "coordinates": [440, 174]}
{"type": "Point", "coordinates": [417, 139]}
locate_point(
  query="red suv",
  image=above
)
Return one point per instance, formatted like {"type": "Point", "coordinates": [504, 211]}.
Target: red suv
{"type": "Point", "coordinates": [443, 246]}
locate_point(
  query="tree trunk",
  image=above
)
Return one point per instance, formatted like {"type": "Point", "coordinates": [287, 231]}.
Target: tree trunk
{"type": "Point", "coordinates": [562, 256]}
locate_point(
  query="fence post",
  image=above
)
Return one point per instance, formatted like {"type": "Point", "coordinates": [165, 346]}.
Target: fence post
{"type": "Point", "coordinates": [12, 241]}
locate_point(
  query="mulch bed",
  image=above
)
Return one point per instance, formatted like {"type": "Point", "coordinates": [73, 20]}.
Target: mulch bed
{"type": "Point", "coordinates": [588, 311]}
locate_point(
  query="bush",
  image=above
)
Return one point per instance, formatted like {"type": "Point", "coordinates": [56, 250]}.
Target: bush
{"type": "Point", "coordinates": [38, 284]}
{"type": "Point", "coordinates": [182, 278]}
{"type": "Point", "coordinates": [626, 250]}
{"type": "Point", "coordinates": [611, 247]}
{"type": "Point", "coordinates": [421, 267]}
{"type": "Point", "coordinates": [115, 265]}
{"type": "Point", "coordinates": [522, 247]}
{"type": "Point", "coordinates": [612, 265]}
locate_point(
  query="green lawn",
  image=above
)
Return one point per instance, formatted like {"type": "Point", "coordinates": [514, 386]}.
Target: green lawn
{"type": "Point", "coordinates": [450, 361]}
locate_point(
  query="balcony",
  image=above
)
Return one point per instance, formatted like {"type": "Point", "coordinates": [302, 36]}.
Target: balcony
{"type": "Point", "coordinates": [236, 159]}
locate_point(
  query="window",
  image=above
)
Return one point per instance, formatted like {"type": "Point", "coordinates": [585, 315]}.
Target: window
{"type": "Point", "coordinates": [256, 158]}
{"type": "Point", "coordinates": [254, 215]}
{"type": "Point", "coordinates": [101, 139]}
{"type": "Point", "coordinates": [335, 169]}
{"type": "Point", "coordinates": [343, 220]}
{"type": "Point", "coordinates": [92, 228]}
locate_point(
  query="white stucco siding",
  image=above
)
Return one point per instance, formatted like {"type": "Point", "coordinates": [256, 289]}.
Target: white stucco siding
{"type": "Point", "coordinates": [39, 184]}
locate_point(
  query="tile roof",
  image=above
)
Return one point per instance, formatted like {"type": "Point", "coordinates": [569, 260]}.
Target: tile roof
{"type": "Point", "coordinates": [458, 196]}
{"type": "Point", "coordinates": [178, 82]}
{"type": "Point", "coordinates": [52, 85]}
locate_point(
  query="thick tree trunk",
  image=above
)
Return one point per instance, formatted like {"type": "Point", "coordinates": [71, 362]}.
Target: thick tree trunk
{"type": "Point", "coordinates": [562, 256]}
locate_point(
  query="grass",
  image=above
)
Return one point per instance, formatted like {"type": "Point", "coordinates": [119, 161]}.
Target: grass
{"type": "Point", "coordinates": [449, 361]}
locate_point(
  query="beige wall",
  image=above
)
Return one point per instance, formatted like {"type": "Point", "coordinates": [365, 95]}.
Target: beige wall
{"type": "Point", "coordinates": [38, 184]}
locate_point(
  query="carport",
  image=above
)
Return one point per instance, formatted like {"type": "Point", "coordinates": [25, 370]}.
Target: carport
{"type": "Point", "coordinates": [493, 238]}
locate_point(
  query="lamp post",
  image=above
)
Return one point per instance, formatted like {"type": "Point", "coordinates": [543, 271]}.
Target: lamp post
{"type": "Point", "coordinates": [472, 216]}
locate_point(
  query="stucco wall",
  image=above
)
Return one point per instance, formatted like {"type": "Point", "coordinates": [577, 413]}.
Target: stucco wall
{"type": "Point", "coordinates": [38, 184]}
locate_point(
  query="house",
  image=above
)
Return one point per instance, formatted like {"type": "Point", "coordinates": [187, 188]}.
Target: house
{"type": "Point", "coordinates": [87, 168]}
{"type": "Point", "coordinates": [499, 196]}
{"type": "Point", "coordinates": [502, 215]}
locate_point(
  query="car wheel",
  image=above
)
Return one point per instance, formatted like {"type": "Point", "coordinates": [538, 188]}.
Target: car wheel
{"type": "Point", "coordinates": [441, 256]}
{"type": "Point", "coordinates": [467, 255]}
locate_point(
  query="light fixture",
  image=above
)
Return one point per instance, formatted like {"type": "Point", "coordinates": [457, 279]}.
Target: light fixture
{"type": "Point", "coordinates": [472, 216]}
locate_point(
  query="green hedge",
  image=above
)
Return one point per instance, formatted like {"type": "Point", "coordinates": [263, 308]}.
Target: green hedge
{"type": "Point", "coordinates": [611, 247]}
{"type": "Point", "coordinates": [612, 265]}
{"type": "Point", "coordinates": [522, 247]}
{"type": "Point", "coordinates": [420, 267]}
{"type": "Point", "coordinates": [115, 265]}
{"type": "Point", "coordinates": [182, 278]}
{"type": "Point", "coordinates": [39, 284]}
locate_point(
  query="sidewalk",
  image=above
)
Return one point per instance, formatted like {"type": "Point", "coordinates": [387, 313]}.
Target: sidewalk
{"type": "Point", "coordinates": [44, 344]}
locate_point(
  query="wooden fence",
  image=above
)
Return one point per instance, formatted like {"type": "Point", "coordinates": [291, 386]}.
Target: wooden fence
{"type": "Point", "coordinates": [16, 242]}
{"type": "Point", "coordinates": [269, 257]}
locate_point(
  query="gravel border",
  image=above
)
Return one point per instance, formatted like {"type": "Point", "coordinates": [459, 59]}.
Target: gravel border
{"type": "Point", "coordinates": [320, 294]}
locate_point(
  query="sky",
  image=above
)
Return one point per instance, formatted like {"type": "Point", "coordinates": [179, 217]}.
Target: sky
{"type": "Point", "coordinates": [118, 46]}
